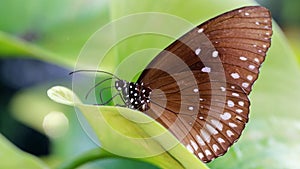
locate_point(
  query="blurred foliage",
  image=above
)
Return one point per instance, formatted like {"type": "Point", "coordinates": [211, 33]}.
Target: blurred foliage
{"type": "Point", "coordinates": [11, 157]}
{"type": "Point", "coordinates": [286, 13]}
{"type": "Point", "coordinates": [43, 32]}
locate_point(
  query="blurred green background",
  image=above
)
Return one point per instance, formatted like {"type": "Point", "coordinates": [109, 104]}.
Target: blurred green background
{"type": "Point", "coordinates": [39, 43]}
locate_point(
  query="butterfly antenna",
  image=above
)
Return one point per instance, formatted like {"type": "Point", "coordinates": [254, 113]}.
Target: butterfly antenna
{"type": "Point", "coordinates": [97, 71]}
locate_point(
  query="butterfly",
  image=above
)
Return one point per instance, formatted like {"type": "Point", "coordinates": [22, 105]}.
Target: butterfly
{"type": "Point", "coordinates": [198, 86]}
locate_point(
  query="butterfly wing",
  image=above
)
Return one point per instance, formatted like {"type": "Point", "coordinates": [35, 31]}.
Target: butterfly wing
{"type": "Point", "coordinates": [201, 82]}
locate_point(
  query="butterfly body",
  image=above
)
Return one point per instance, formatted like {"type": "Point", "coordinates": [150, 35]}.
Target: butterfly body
{"type": "Point", "coordinates": [135, 95]}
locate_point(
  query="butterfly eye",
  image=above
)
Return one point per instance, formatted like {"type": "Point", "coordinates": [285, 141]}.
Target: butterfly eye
{"type": "Point", "coordinates": [118, 85]}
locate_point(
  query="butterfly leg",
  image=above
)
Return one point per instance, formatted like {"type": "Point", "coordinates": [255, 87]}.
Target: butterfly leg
{"type": "Point", "coordinates": [106, 102]}
{"type": "Point", "coordinates": [120, 105]}
{"type": "Point", "coordinates": [101, 92]}
{"type": "Point", "coordinates": [99, 83]}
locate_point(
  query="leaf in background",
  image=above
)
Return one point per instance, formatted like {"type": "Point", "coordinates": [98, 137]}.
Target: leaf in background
{"type": "Point", "coordinates": [52, 31]}
{"type": "Point", "coordinates": [119, 133]}
{"type": "Point", "coordinates": [11, 157]}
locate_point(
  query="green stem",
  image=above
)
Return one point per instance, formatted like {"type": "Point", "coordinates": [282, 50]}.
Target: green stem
{"type": "Point", "coordinates": [92, 155]}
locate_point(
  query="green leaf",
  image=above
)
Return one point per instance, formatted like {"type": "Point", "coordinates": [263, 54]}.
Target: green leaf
{"type": "Point", "coordinates": [108, 160]}
{"type": "Point", "coordinates": [130, 133]}
{"type": "Point", "coordinates": [58, 29]}
{"type": "Point", "coordinates": [11, 157]}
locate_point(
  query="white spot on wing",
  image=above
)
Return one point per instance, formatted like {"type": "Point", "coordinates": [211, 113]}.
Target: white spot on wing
{"type": "Point", "coordinates": [215, 54]}
{"type": "Point", "coordinates": [215, 148]}
{"type": "Point", "coordinates": [225, 116]}
{"type": "Point", "coordinates": [249, 77]}
{"type": "Point", "coordinates": [200, 140]}
{"type": "Point", "coordinates": [200, 30]}
{"type": "Point", "coordinates": [232, 125]}
{"type": "Point", "coordinates": [256, 60]}
{"type": "Point", "coordinates": [217, 124]}
{"type": "Point", "coordinates": [251, 67]}
{"type": "Point", "coordinates": [196, 90]}
{"type": "Point", "coordinates": [197, 51]}
{"type": "Point", "coordinates": [239, 118]}
{"type": "Point", "coordinates": [211, 130]}
{"type": "Point", "coordinates": [200, 155]}
{"type": "Point", "coordinates": [245, 84]}
{"type": "Point", "coordinates": [194, 145]}
{"type": "Point", "coordinates": [207, 152]}
{"type": "Point", "coordinates": [239, 110]}
{"type": "Point", "coordinates": [235, 94]}
{"type": "Point", "coordinates": [220, 140]}
{"type": "Point", "coordinates": [191, 108]}
{"type": "Point", "coordinates": [206, 69]}
{"type": "Point", "coordinates": [243, 58]}
{"type": "Point", "coordinates": [229, 133]}
{"type": "Point", "coordinates": [223, 89]}
{"type": "Point", "coordinates": [241, 103]}
{"type": "Point", "coordinates": [247, 14]}
{"type": "Point", "coordinates": [230, 103]}
{"type": "Point", "coordinates": [235, 75]}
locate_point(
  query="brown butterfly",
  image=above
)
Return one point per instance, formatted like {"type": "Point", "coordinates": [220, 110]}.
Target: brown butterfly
{"type": "Point", "coordinates": [198, 86]}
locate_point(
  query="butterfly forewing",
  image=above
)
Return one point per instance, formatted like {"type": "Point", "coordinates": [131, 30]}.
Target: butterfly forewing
{"type": "Point", "coordinates": [242, 38]}
{"type": "Point", "coordinates": [201, 82]}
